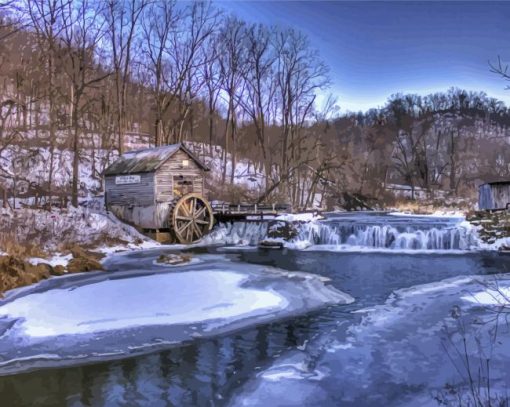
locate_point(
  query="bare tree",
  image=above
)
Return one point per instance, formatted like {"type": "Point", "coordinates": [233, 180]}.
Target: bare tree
{"type": "Point", "coordinates": [300, 74]}
{"type": "Point", "coordinates": [11, 20]}
{"type": "Point", "coordinates": [46, 19]}
{"type": "Point", "coordinates": [211, 76]}
{"type": "Point", "coordinates": [260, 87]}
{"type": "Point", "coordinates": [232, 63]}
{"type": "Point", "coordinates": [188, 58]}
{"type": "Point", "coordinates": [174, 38]}
{"type": "Point", "coordinates": [158, 22]}
{"type": "Point", "coordinates": [123, 18]}
{"type": "Point", "coordinates": [84, 29]}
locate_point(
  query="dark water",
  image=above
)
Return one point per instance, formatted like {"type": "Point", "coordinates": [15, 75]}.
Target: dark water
{"type": "Point", "coordinates": [208, 372]}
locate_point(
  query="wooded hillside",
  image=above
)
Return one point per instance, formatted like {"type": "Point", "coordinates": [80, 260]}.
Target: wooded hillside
{"type": "Point", "coordinates": [84, 80]}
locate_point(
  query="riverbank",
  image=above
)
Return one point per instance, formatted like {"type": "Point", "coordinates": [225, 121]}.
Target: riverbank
{"type": "Point", "coordinates": [37, 244]}
{"type": "Point", "coordinates": [40, 244]}
{"type": "Point", "coordinates": [136, 307]}
{"type": "Point", "coordinates": [18, 272]}
{"type": "Point", "coordinates": [493, 228]}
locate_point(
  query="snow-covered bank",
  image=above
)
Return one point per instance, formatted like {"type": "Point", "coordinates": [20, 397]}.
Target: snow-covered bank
{"type": "Point", "coordinates": [97, 315]}
{"type": "Point", "coordinates": [493, 228]}
{"type": "Point", "coordinates": [57, 230]}
{"type": "Point", "coordinates": [58, 259]}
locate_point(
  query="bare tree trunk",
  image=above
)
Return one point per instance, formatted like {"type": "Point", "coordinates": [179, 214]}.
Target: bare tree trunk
{"type": "Point", "coordinates": [234, 146]}
{"type": "Point", "coordinates": [211, 125]}
{"type": "Point", "coordinates": [453, 164]}
{"type": "Point", "coordinates": [76, 156]}
{"type": "Point", "coordinates": [225, 149]}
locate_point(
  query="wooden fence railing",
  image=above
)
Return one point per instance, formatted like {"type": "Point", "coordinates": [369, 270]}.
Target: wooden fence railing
{"type": "Point", "coordinates": [255, 209]}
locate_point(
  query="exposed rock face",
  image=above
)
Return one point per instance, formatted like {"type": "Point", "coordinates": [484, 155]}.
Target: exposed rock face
{"type": "Point", "coordinates": [280, 229]}
{"type": "Point", "coordinates": [492, 226]}
{"type": "Point", "coordinates": [271, 244]}
{"type": "Point", "coordinates": [174, 259]}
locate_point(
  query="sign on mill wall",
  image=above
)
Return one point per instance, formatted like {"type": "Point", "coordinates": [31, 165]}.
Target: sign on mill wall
{"type": "Point", "coordinates": [127, 179]}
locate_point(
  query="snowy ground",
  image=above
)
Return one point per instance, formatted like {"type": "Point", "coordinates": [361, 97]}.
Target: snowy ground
{"type": "Point", "coordinates": [245, 172]}
{"type": "Point", "coordinates": [102, 315]}
{"type": "Point", "coordinates": [32, 165]}
{"type": "Point", "coordinates": [51, 231]}
{"type": "Point", "coordinates": [300, 217]}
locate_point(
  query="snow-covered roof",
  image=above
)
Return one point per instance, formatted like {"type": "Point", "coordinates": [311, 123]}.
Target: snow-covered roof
{"type": "Point", "coordinates": [148, 160]}
{"type": "Point", "coordinates": [497, 183]}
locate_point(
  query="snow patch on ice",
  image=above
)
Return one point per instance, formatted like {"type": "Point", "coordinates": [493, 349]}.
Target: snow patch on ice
{"type": "Point", "coordinates": [171, 298]}
{"type": "Point", "coordinates": [499, 296]}
{"type": "Point", "coordinates": [291, 372]}
{"type": "Point", "coordinates": [438, 286]}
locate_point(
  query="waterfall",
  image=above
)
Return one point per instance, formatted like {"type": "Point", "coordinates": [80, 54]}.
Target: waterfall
{"type": "Point", "coordinates": [458, 237]}
{"type": "Point", "coordinates": [383, 232]}
{"type": "Point", "coordinates": [237, 233]}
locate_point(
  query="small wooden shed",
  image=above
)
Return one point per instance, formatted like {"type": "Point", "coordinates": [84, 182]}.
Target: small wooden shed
{"type": "Point", "coordinates": [160, 189]}
{"type": "Point", "coordinates": [494, 195]}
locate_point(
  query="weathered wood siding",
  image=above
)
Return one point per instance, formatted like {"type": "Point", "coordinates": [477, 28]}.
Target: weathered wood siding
{"type": "Point", "coordinates": [139, 194]}
{"type": "Point", "coordinates": [139, 216]}
{"type": "Point", "coordinates": [493, 196]}
{"type": "Point", "coordinates": [485, 197]}
{"type": "Point", "coordinates": [173, 167]}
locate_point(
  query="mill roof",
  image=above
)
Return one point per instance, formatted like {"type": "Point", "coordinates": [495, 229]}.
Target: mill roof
{"type": "Point", "coordinates": [497, 183]}
{"type": "Point", "coordinates": [148, 160]}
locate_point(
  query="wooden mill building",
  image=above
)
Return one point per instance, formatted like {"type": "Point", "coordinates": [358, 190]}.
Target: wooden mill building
{"type": "Point", "coordinates": [160, 189]}
{"type": "Point", "coordinates": [494, 195]}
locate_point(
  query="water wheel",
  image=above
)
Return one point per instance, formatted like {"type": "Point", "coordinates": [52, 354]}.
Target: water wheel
{"type": "Point", "coordinates": [191, 218]}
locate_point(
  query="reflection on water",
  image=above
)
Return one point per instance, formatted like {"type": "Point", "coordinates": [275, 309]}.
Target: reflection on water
{"type": "Point", "coordinates": [208, 371]}
{"type": "Point", "coordinates": [198, 374]}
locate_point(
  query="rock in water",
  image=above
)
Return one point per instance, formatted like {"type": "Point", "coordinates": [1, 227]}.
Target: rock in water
{"type": "Point", "coordinates": [174, 259]}
{"type": "Point", "coordinates": [281, 229]}
{"type": "Point", "coordinates": [83, 261]}
{"type": "Point", "coordinates": [271, 244]}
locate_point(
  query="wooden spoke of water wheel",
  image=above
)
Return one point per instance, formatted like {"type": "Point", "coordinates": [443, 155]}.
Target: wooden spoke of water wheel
{"type": "Point", "coordinates": [191, 218]}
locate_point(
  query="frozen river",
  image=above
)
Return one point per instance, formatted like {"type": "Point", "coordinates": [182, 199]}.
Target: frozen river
{"type": "Point", "coordinates": [416, 286]}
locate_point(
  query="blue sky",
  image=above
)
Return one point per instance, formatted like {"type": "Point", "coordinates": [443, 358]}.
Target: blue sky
{"type": "Point", "coordinates": [375, 49]}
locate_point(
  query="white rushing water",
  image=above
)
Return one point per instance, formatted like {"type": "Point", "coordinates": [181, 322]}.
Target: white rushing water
{"type": "Point", "coordinates": [237, 233]}
{"type": "Point", "coordinates": [361, 231]}
{"type": "Point", "coordinates": [457, 237]}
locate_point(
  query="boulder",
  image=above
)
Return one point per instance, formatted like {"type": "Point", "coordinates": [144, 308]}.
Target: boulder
{"type": "Point", "coordinates": [271, 244]}
{"type": "Point", "coordinates": [173, 259]}
{"type": "Point", "coordinates": [280, 229]}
